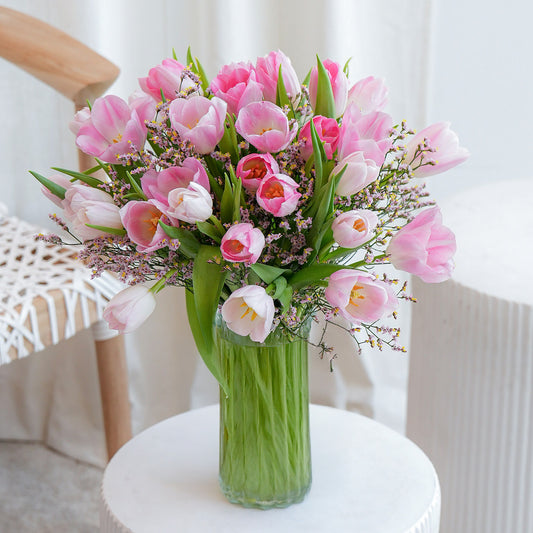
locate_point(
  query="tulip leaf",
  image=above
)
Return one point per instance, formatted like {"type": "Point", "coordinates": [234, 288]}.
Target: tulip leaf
{"type": "Point", "coordinates": [136, 186]}
{"type": "Point", "coordinates": [210, 230]}
{"type": "Point", "coordinates": [319, 156]}
{"type": "Point", "coordinates": [226, 204]}
{"type": "Point", "coordinates": [228, 143]}
{"type": "Point", "coordinates": [208, 278]}
{"type": "Point", "coordinates": [202, 74]}
{"type": "Point", "coordinates": [268, 273]}
{"type": "Point", "coordinates": [52, 186]}
{"type": "Point", "coordinates": [89, 180]}
{"type": "Point", "coordinates": [285, 297]}
{"type": "Point", "coordinates": [174, 55]}
{"type": "Point", "coordinates": [307, 78]}
{"type": "Point", "coordinates": [282, 99]}
{"type": "Point", "coordinates": [280, 285]}
{"type": "Point", "coordinates": [313, 274]}
{"type": "Point", "coordinates": [114, 231]}
{"type": "Point", "coordinates": [189, 244]}
{"type": "Point", "coordinates": [325, 102]}
{"type": "Point", "coordinates": [346, 68]}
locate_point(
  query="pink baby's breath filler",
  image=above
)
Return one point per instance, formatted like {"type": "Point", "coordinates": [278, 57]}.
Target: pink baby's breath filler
{"type": "Point", "coordinates": [268, 200]}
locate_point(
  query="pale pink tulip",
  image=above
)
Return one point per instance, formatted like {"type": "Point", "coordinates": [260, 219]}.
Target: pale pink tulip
{"type": "Point", "coordinates": [339, 85]}
{"type": "Point", "coordinates": [236, 84]}
{"type": "Point", "coordinates": [199, 120]}
{"type": "Point", "coordinates": [267, 73]}
{"type": "Point", "coordinates": [277, 194]}
{"type": "Point", "coordinates": [424, 247]}
{"type": "Point", "coordinates": [249, 311]}
{"type": "Point", "coordinates": [242, 243]}
{"type": "Point", "coordinates": [141, 221]}
{"type": "Point", "coordinates": [368, 133]}
{"type": "Point", "coordinates": [447, 154]}
{"type": "Point", "coordinates": [157, 185]}
{"type": "Point", "coordinates": [113, 129]}
{"type": "Point", "coordinates": [328, 132]}
{"type": "Point", "coordinates": [368, 94]}
{"type": "Point", "coordinates": [167, 77]}
{"type": "Point", "coordinates": [265, 126]}
{"type": "Point", "coordinates": [192, 204]}
{"type": "Point", "coordinates": [353, 228]}
{"type": "Point", "coordinates": [253, 168]}
{"type": "Point", "coordinates": [128, 309]}
{"type": "Point", "coordinates": [80, 118]}
{"type": "Point", "coordinates": [63, 181]}
{"type": "Point", "coordinates": [359, 297]}
{"type": "Point", "coordinates": [359, 173]}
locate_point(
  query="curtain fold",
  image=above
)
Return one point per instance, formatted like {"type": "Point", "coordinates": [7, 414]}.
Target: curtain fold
{"type": "Point", "coordinates": [385, 39]}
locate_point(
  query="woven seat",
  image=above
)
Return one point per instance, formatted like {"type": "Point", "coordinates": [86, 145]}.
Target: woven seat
{"type": "Point", "coordinates": [45, 294]}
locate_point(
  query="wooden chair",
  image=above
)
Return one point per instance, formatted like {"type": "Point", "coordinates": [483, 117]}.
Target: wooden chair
{"type": "Point", "coordinates": [45, 294]}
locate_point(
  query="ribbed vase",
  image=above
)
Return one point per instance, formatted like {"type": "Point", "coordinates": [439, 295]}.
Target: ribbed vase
{"type": "Point", "coordinates": [265, 457]}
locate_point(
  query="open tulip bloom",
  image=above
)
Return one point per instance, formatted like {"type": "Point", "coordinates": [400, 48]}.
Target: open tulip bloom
{"type": "Point", "coordinates": [257, 192]}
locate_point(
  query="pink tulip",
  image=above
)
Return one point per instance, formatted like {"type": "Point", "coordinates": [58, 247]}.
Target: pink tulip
{"type": "Point", "coordinates": [253, 168]}
{"type": "Point", "coordinates": [424, 247]}
{"type": "Point", "coordinates": [359, 297]}
{"type": "Point", "coordinates": [157, 185]}
{"type": "Point", "coordinates": [192, 204]}
{"type": "Point", "coordinates": [339, 85]}
{"type": "Point", "coordinates": [353, 228]}
{"type": "Point", "coordinates": [87, 205]}
{"type": "Point", "coordinates": [141, 220]}
{"type": "Point", "coordinates": [113, 129]}
{"type": "Point", "coordinates": [265, 126]}
{"type": "Point", "coordinates": [236, 84]}
{"type": "Point", "coordinates": [249, 311]}
{"type": "Point", "coordinates": [242, 243]}
{"type": "Point", "coordinates": [368, 94]}
{"type": "Point", "coordinates": [128, 309]}
{"type": "Point", "coordinates": [267, 72]}
{"type": "Point", "coordinates": [63, 181]}
{"type": "Point", "coordinates": [277, 194]}
{"type": "Point", "coordinates": [328, 132]}
{"type": "Point", "coordinates": [447, 154]}
{"type": "Point", "coordinates": [167, 77]}
{"type": "Point", "coordinates": [80, 118]}
{"type": "Point", "coordinates": [368, 133]}
{"type": "Point", "coordinates": [199, 120]}
{"type": "Point", "coordinates": [359, 173]}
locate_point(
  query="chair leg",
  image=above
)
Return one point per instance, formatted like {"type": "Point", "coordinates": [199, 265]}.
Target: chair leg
{"type": "Point", "coordinates": [113, 376]}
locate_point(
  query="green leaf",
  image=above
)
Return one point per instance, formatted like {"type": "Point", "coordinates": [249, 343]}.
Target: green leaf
{"type": "Point", "coordinates": [228, 143]}
{"type": "Point", "coordinates": [114, 231]}
{"type": "Point", "coordinates": [135, 185]}
{"type": "Point", "coordinates": [281, 285]}
{"type": "Point", "coordinates": [312, 274]}
{"type": "Point", "coordinates": [226, 204]}
{"type": "Point", "coordinates": [53, 187]}
{"type": "Point", "coordinates": [202, 74]}
{"type": "Point", "coordinates": [89, 180]}
{"type": "Point", "coordinates": [189, 244]}
{"type": "Point", "coordinates": [307, 78]}
{"type": "Point", "coordinates": [210, 230]}
{"type": "Point", "coordinates": [282, 99]}
{"type": "Point", "coordinates": [346, 68]}
{"type": "Point", "coordinates": [285, 297]}
{"type": "Point", "coordinates": [208, 278]}
{"type": "Point", "coordinates": [325, 102]}
{"type": "Point", "coordinates": [319, 156]}
{"type": "Point", "coordinates": [268, 273]}
{"type": "Point", "coordinates": [190, 60]}
{"type": "Point", "coordinates": [174, 55]}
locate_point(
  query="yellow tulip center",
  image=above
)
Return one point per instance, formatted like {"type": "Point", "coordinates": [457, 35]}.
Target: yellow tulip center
{"type": "Point", "coordinates": [234, 246]}
{"type": "Point", "coordinates": [355, 294]}
{"type": "Point", "coordinates": [359, 225]}
{"type": "Point", "coordinates": [248, 309]}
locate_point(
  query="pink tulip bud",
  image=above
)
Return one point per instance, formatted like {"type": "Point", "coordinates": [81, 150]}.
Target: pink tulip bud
{"type": "Point", "coordinates": [249, 311]}
{"type": "Point", "coordinates": [278, 195]}
{"type": "Point", "coordinates": [359, 173]}
{"type": "Point", "coordinates": [328, 132]}
{"type": "Point", "coordinates": [193, 204]}
{"type": "Point", "coordinates": [80, 118]}
{"type": "Point", "coordinates": [128, 309]}
{"type": "Point", "coordinates": [368, 94]}
{"type": "Point", "coordinates": [265, 126]}
{"type": "Point", "coordinates": [242, 243]}
{"type": "Point", "coordinates": [236, 84]}
{"type": "Point", "coordinates": [267, 73]}
{"type": "Point", "coordinates": [199, 120]}
{"type": "Point", "coordinates": [353, 228]}
{"type": "Point", "coordinates": [141, 220]}
{"type": "Point", "coordinates": [253, 168]}
{"type": "Point", "coordinates": [167, 77]}
{"type": "Point", "coordinates": [339, 85]}
{"type": "Point", "coordinates": [424, 247]}
{"type": "Point", "coordinates": [63, 181]}
{"type": "Point", "coordinates": [447, 152]}
{"type": "Point", "coordinates": [359, 297]}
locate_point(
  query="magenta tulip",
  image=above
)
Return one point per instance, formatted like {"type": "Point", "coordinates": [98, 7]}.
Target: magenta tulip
{"type": "Point", "coordinates": [253, 168]}
{"type": "Point", "coordinates": [199, 120]}
{"type": "Point", "coordinates": [278, 195]}
{"type": "Point", "coordinates": [328, 132]}
{"type": "Point", "coordinates": [359, 297]}
{"type": "Point", "coordinates": [242, 243]}
{"type": "Point", "coordinates": [267, 73]}
{"type": "Point", "coordinates": [128, 309]}
{"type": "Point", "coordinates": [265, 126]}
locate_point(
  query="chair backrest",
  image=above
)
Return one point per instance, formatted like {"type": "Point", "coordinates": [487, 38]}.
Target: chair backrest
{"type": "Point", "coordinates": [55, 58]}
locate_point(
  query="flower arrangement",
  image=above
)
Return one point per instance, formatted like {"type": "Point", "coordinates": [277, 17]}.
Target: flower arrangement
{"type": "Point", "coordinates": [268, 199]}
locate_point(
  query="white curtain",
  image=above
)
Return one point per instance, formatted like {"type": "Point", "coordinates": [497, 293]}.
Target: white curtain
{"type": "Point", "coordinates": [53, 396]}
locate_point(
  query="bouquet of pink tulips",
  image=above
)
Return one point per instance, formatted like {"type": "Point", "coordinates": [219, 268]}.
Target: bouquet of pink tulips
{"type": "Point", "coordinates": [268, 199]}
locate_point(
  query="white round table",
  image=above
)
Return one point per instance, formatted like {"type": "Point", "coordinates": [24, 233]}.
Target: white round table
{"type": "Point", "coordinates": [366, 479]}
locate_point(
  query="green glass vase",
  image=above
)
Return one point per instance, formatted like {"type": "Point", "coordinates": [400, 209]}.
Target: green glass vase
{"type": "Point", "coordinates": [265, 456]}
